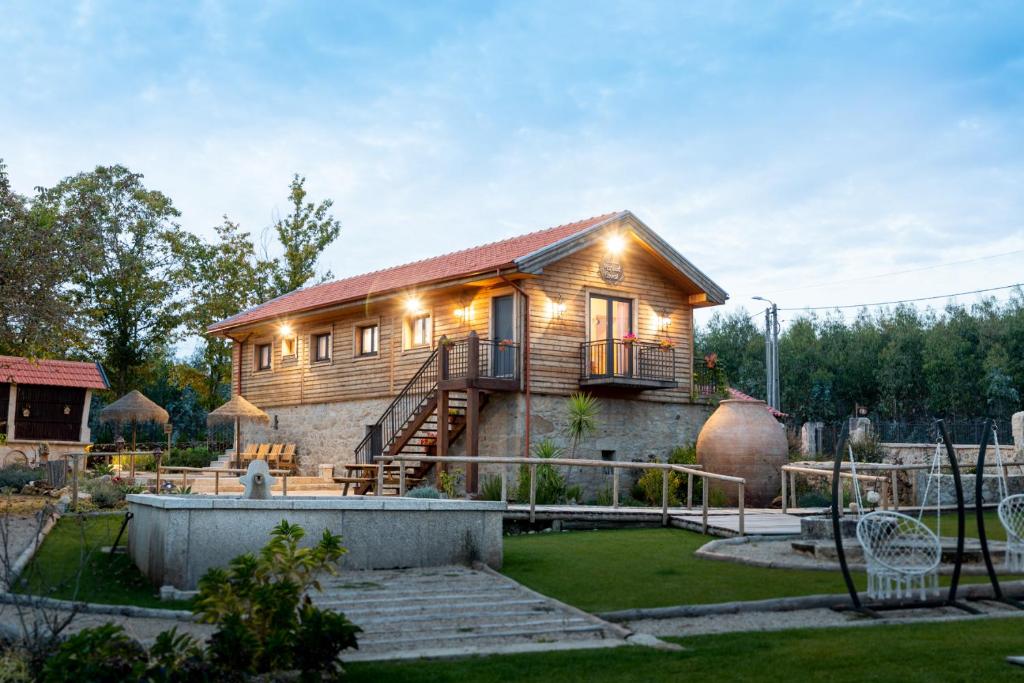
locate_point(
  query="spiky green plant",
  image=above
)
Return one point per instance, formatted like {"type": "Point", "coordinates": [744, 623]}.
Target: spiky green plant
{"type": "Point", "coordinates": [582, 410]}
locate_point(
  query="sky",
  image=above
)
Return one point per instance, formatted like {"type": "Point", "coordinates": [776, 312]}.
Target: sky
{"type": "Point", "coordinates": [818, 153]}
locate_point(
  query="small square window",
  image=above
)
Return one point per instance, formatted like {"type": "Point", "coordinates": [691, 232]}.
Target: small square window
{"type": "Point", "coordinates": [321, 347]}
{"type": "Point", "coordinates": [289, 346]}
{"type": "Point", "coordinates": [368, 340]}
{"type": "Point", "coordinates": [263, 356]}
{"type": "Point", "coordinates": [420, 330]}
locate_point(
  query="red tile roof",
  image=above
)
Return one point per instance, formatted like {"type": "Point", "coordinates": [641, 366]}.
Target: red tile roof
{"type": "Point", "coordinates": [739, 395]}
{"type": "Point", "coordinates": [54, 373]}
{"type": "Point", "coordinates": [438, 269]}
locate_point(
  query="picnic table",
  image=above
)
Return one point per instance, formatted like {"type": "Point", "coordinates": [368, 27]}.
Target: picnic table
{"type": "Point", "coordinates": [364, 478]}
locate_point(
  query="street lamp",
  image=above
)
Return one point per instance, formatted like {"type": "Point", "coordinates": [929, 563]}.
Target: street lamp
{"type": "Point", "coordinates": [771, 351]}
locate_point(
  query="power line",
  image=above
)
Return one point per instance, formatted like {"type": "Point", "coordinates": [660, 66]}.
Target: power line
{"type": "Point", "coordinates": [897, 272]}
{"type": "Point", "coordinates": [902, 301]}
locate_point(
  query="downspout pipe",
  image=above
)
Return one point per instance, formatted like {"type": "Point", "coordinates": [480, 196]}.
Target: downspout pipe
{"type": "Point", "coordinates": [526, 356]}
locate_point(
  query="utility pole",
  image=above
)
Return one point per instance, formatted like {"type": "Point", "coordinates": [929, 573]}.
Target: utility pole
{"type": "Point", "coordinates": [771, 353]}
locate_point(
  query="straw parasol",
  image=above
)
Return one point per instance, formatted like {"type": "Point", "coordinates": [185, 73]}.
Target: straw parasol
{"type": "Point", "coordinates": [134, 407]}
{"type": "Point", "coordinates": [237, 409]}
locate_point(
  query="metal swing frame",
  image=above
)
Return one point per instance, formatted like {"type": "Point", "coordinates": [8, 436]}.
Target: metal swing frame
{"type": "Point", "coordinates": [979, 509]}
{"type": "Point", "coordinates": [872, 608]}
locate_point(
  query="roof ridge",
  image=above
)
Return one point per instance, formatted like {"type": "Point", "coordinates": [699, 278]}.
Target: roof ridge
{"type": "Point", "coordinates": [452, 253]}
{"type": "Point", "coordinates": [380, 271]}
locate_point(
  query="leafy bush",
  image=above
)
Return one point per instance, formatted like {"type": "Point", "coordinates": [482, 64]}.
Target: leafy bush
{"type": "Point", "coordinates": [102, 469]}
{"type": "Point", "coordinates": [490, 488]}
{"type": "Point", "coordinates": [16, 476]}
{"type": "Point", "coordinates": [423, 492]}
{"type": "Point", "coordinates": [105, 494]}
{"type": "Point", "coordinates": [449, 482]}
{"type": "Point", "coordinates": [189, 457]}
{"type": "Point", "coordinates": [265, 619]}
{"type": "Point", "coordinates": [868, 449]}
{"type": "Point", "coordinates": [551, 488]}
{"type": "Point", "coordinates": [650, 483]}
{"type": "Point", "coordinates": [14, 666]}
{"type": "Point", "coordinates": [104, 653]}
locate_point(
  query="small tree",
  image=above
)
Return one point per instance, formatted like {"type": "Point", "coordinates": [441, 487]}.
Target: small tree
{"type": "Point", "coordinates": [582, 412]}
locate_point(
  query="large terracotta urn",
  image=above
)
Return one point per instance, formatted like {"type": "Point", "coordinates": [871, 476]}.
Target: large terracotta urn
{"type": "Point", "coordinates": [742, 439]}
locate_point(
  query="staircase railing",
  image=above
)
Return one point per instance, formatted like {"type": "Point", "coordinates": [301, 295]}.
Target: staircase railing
{"type": "Point", "coordinates": [381, 434]}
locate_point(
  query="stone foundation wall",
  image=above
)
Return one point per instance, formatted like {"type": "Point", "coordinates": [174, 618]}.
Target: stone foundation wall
{"type": "Point", "coordinates": [627, 430]}
{"type": "Point", "coordinates": [324, 433]}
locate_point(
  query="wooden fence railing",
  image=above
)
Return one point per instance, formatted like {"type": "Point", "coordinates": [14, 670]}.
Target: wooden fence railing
{"type": "Point", "coordinates": [616, 466]}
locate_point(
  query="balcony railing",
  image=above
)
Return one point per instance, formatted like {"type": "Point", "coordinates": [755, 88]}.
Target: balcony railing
{"type": "Point", "coordinates": [474, 359]}
{"type": "Point", "coordinates": [628, 364]}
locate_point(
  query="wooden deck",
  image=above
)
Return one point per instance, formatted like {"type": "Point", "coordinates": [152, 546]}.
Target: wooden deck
{"type": "Point", "coordinates": [721, 521]}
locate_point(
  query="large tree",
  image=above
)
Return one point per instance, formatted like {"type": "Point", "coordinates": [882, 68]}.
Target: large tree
{"type": "Point", "coordinates": [222, 278]}
{"type": "Point", "coordinates": [128, 295]}
{"type": "Point", "coordinates": [304, 234]}
{"type": "Point", "coordinates": [38, 259]}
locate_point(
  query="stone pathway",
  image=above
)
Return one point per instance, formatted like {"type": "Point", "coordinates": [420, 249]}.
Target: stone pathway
{"type": "Point", "coordinates": [814, 618]}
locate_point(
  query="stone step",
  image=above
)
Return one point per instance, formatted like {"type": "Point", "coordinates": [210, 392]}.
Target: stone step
{"type": "Point", "coordinates": [415, 620]}
{"type": "Point", "coordinates": [380, 629]}
{"type": "Point", "coordinates": [344, 606]}
{"type": "Point", "coordinates": [524, 632]}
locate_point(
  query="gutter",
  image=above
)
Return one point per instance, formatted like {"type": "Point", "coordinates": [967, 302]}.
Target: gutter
{"type": "Point", "coordinates": [526, 356]}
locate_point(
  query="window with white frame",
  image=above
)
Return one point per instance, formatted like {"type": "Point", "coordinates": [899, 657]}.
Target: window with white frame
{"type": "Point", "coordinates": [321, 347]}
{"type": "Point", "coordinates": [264, 354]}
{"type": "Point", "coordinates": [367, 340]}
{"type": "Point", "coordinates": [419, 331]}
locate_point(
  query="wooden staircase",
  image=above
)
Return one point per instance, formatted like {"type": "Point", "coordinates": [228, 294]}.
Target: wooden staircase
{"type": "Point", "coordinates": [450, 381]}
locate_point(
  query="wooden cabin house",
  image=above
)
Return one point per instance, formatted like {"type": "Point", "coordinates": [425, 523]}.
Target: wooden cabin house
{"type": "Point", "coordinates": [44, 406]}
{"type": "Point", "coordinates": [476, 351]}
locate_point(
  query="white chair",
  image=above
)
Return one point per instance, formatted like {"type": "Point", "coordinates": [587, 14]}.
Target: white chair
{"type": "Point", "coordinates": [902, 555]}
{"type": "Point", "coordinates": [1011, 515]}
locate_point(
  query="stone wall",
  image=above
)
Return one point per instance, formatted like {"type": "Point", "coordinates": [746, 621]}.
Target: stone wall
{"type": "Point", "coordinates": [627, 430]}
{"type": "Point", "coordinates": [325, 433]}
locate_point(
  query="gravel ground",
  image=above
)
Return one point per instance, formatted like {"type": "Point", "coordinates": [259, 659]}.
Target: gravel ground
{"type": "Point", "coordinates": [18, 532]}
{"type": "Point", "coordinates": [810, 618]}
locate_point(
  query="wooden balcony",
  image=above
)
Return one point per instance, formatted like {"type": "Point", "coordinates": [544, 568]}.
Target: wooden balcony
{"type": "Point", "coordinates": [475, 363]}
{"type": "Point", "coordinates": [627, 365]}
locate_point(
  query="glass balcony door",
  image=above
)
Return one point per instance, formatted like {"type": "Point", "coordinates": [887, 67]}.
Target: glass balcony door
{"type": "Point", "coordinates": [503, 329]}
{"type": "Point", "coordinates": [611, 321]}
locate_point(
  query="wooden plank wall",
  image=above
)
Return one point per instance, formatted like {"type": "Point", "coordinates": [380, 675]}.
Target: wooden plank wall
{"type": "Point", "coordinates": [555, 343]}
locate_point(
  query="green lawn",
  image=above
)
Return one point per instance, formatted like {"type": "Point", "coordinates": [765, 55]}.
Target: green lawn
{"type": "Point", "coordinates": [110, 579]}
{"type": "Point", "coordinates": [610, 570]}
{"type": "Point", "coordinates": [993, 527]}
{"type": "Point", "coordinates": [964, 651]}
{"type": "Point", "coordinates": [601, 571]}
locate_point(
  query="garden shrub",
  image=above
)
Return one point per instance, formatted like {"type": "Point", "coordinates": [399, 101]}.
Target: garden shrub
{"type": "Point", "coordinates": [15, 477]}
{"type": "Point", "coordinates": [423, 492]}
{"type": "Point", "coordinates": [265, 620]}
{"type": "Point", "coordinates": [551, 487]}
{"type": "Point", "coordinates": [104, 494]}
{"type": "Point", "coordinates": [101, 654]}
{"type": "Point", "coordinates": [868, 449]}
{"type": "Point", "coordinates": [189, 457]}
{"type": "Point", "coordinates": [490, 488]}
{"type": "Point", "coordinates": [650, 483]}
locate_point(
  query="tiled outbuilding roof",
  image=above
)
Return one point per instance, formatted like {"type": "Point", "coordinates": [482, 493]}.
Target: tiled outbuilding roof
{"type": "Point", "coordinates": [54, 373]}
{"type": "Point", "coordinates": [739, 395]}
{"type": "Point", "coordinates": [487, 257]}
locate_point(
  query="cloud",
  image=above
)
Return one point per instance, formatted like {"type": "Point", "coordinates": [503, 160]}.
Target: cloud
{"type": "Point", "coordinates": [774, 146]}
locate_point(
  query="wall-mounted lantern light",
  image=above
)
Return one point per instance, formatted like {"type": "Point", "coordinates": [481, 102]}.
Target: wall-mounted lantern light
{"type": "Point", "coordinates": [615, 244]}
{"type": "Point", "coordinates": [26, 411]}
{"type": "Point", "coordinates": [557, 308]}
{"type": "Point", "coordinates": [663, 320]}
{"type": "Point", "coordinates": [464, 312]}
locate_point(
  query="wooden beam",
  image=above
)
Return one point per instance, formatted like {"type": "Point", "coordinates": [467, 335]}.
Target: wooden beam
{"type": "Point", "coordinates": [697, 299]}
{"type": "Point", "coordinates": [472, 436]}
